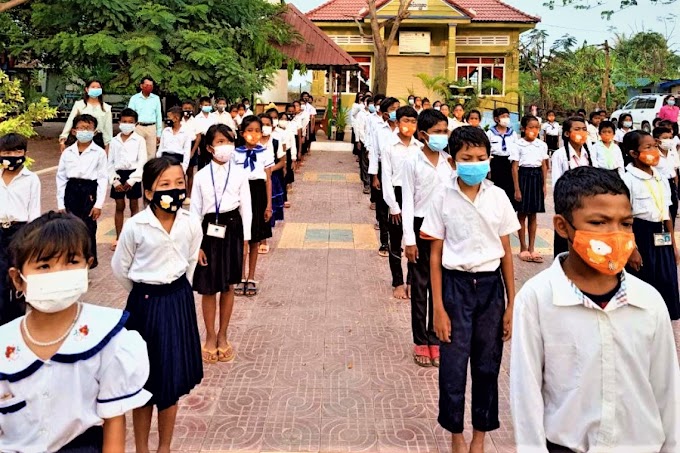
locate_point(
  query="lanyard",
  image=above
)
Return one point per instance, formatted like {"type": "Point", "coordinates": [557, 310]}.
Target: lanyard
{"type": "Point", "coordinates": [657, 196]}
{"type": "Point", "coordinates": [217, 204]}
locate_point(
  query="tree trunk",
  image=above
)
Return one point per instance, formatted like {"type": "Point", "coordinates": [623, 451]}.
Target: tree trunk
{"type": "Point", "coordinates": [380, 66]}
{"type": "Point", "coordinates": [605, 77]}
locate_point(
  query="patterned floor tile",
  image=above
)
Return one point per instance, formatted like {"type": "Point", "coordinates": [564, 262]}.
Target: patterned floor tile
{"type": "Point", "coordinates": [242, 434]}
{"type": "Point", "coordinates": [243, 401]}
{"type": "Point", "coordinates": [348, 435]}
{"type": "Point", "coordinates": [292, 434]}
{"type": "Point", "coordinates": [412, 436]}
{"type": "Point", "coordinates": [397, 404]}
{"type": "Point", "coordinates": [347, 403]}
{"type": "Point", "coordinates": [302, 402]}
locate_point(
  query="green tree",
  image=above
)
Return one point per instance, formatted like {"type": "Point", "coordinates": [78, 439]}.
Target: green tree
{"type": "Point", "coordinates": [607, 13]}
{"type": "Point", "coordinates": [644, 55]}
{"type": "Point", "coordinates": [191, 47]}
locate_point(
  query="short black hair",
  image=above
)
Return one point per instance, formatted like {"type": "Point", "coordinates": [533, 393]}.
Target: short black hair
{"type": "Point", "coordinates": [406, 112]}
{"type": "Point", "coordinates": [550, 112]}
{"type": "Point", "coordinates": [129, 113]}
{"type": "Point", "coordinates": [622, 118]}
{"type": "Point", "coordinates": [497, 112]}
{"type": "Point", "coordinates": [263, 115]}
{"type": "Point", "coordinates": [248, 120]}
{"type": "Point", "coordinates": [221, 129]}
{"type": "Point", "coordinates": [149, 78]}
{"type": "Point", "coordinates": [593, 115]}
{"type": "Point", "coordinates": [205, 99]}
{"type": "Point", "coordinates": [656, 121]}
{"type": "Point", "coordinates": [606, 125]}
{"type": "Point", "coordinates": [526, 119]}
{"type": "Point", "coordinates": [581, 112]}
{"type": "Point", "coordinates": [153, 168]}
{"type": "Point", "coordinates": [220, 99]}
{"type": "Point", "coordinates": [469, 114]}
{"type": "Point", "coordinates": [85, 118]}
{"type": "Point", "coordinates": [177, 110]}
{"type": "Point", "coordinates": [566, 126]}
{"type": "Point", "coordinates": [576, 185]}
{"type": "Point", "coordinates": [188, 101]}
{"type": "Point", "coordinates": [659, 131]}
{"type": "Point", "coordinates": [430, 118]}
{"type": "Point", "coordinates": [368, 99]}
{"type": "Point", "coordinates": [51, 235]}
{"type": "Point", "coordinates": [631, 141]}
{"type": "Point", "coordinates": [270, 111]}
{"type": "Point", "coordinates": [468, 136]}
{"type": "Point", "coordinates": [387, 103]}
{"type": "Point", "coordinates": [13, 142]}
{"type": "Point", "coordinates": [665, 123]}
{"type": "Point", "coordinates": [378, 98]}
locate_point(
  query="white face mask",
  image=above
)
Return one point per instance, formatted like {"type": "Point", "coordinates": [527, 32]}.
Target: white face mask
{"type": "Point", "coordinates": [127, 128]}
{"type": "Point", "coordinates": [627, 124]}
{"type": "Point", "coordinates": [266, 131]}
{"type": "Point", "coordinates": [53, 292]}
{"type": "Point", "coordinates": [667, 144]}
{"type": "Point", "coordinates": [438, 108]}
{"type": "Point", "coordinates": [505, 122]}
{"type": "Point", "coordinates": [223, 153]}
{"type": "Point", "coordinates": [283, 124]}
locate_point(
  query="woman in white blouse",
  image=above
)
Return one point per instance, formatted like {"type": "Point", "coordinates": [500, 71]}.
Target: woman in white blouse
{"type": "Point", "coordinates": [93, 104]}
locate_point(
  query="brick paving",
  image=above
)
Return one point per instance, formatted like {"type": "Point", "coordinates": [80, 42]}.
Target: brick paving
{"type": "Point", "coordinates": [323, 352]}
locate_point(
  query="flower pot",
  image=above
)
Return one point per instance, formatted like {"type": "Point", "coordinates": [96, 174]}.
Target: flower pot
{"type": "Point", "coordinates": [340, 136]}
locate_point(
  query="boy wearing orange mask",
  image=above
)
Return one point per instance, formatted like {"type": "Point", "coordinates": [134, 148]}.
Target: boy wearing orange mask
{"type": "Point", "coordinates": [398, 147]}
{"type": "Point", "coordinates": [529, 173]}
{"type": "Point", "coordinates": [656, 256]}
{"type": "Point", "coordinates": [594, 365]}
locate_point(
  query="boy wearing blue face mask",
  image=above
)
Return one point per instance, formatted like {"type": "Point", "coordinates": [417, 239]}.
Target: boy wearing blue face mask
{"type": "Point", "coordinates": [82, 178]}
{"type": "Point", "coordinates": [469, 222]}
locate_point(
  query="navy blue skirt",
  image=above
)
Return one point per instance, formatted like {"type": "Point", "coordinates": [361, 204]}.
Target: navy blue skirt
{"type": "Point", "coordinates": [260, 229]}
{"type": "Point", "coordinates": [658, 265]}
{"type": "Point", "coordinates": [278, 196]}
{"type": "Point", "coordinates": [165, 316]}
{"type": "Point", "coordinates": [91, 441]}
{"type": "Point", "coordinates": [531, 186]}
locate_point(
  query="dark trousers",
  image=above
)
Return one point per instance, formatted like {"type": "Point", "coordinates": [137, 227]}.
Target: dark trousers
{"type": "Point", "coordinates": [475, 304]}
{"type": "Point", "coordinates": [10, 308]}
{"type": "Point", "coordinates": [79, 199]}
{"type": "Point", "coordinates": [381, 209]}
{"type": "Point", "coordinates": [90, 441]}
{"type": "Point", "coordinates": [363, 166]}
{"type": "Point", "coordinates": [422, 312]}
{"type": "Point", "coordinates": [554, 448]}
{"type": "Point", "coordinates": [673, 208]}
{"type": "Point", "coordinates": [395, 232]}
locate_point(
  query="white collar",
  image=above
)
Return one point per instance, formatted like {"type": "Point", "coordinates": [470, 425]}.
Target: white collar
{"type": "Point", "coordinates": [92, 147]}
{"type": "Point", "coordinates": [134, 136]}
{"type": "Point", "coordinates": [395, 140]}
{"type": "Point", "coordinates": [639, 174]}
{"type": "Point", "coordinates": [148, 217]}
{"type": "Point", "coordinates": [524, 142]}
{"type": "Point", "coordinates": [485, 184]}
{"type": "Point", "coordinates": [24, 172]}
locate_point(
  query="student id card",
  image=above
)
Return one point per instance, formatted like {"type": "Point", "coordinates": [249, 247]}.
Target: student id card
{"type": "Point", "coordinates": [662, 239]}
{"type": "Point", "coordinates": [216, 231]}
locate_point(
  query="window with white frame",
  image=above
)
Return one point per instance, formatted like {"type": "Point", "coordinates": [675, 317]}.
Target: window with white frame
{"type": "Point", "coordinates": [478, 71]}
{"type": "Point", "coordinates": [350, 82]}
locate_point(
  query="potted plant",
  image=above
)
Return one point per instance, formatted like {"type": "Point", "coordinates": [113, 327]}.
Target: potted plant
{"type": "Point", "coordinates": [340, 122]}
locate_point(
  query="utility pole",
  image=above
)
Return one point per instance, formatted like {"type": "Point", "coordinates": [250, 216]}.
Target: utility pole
{"type": "Point", "coordinates": [606, 82]}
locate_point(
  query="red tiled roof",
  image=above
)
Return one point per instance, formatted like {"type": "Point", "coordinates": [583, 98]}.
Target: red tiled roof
{"type": "Point", "coordinates": [315, 49]}
{"type": "Point", "coordinates": [478, 10]}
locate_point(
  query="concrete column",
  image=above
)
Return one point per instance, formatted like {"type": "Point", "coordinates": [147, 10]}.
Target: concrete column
{"type": "Point", "coordinates": [451, 54]}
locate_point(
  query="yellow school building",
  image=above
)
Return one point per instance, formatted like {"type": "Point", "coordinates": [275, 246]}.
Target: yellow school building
{"type": "Point", "coordinates": [470, 41]}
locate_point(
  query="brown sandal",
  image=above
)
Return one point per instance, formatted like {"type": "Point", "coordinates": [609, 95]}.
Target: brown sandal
{"type": "Point", "coordinates": [208, 356]}
{"type": "Point", "coordinates": [226, 354]}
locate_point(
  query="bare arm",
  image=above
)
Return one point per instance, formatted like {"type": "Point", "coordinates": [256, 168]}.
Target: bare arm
{"type": "Point", "coordinates": [114, 434]}
{"type": "Point", "coordinates": [509, 279]}
{"type": "Point", "coordinates": [442, 323]}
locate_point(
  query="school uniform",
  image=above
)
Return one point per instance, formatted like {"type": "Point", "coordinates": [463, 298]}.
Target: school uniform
{"type": "Point", "coordinates": [287, 137]}
{"type": "Point", "coordinates": [253, 162]}
{"type": "Point", "coordinates": [667, 169]}
{"type": "Point", "coordinates": [201, 124]}
{"type": "Point", "coordinates": [592, 378]}
{"type": "Point", "coordinates": [19, 204]}
{"type": "Point", "coordinates": [453, 123]}
{"type": "Point", "coordinates": [620, 133]}
{"type": "Point", "coordinates": [221, 196]}
{"type": "Point", "coordinates": [593, 134]}
{"type": "Point", "coordinates": [608, 157]}
{"type": "Point", "coordinates": [650, 197]}
{"type": "Point", "coordinates": [501, 168]}
{"type": "Point", "coordinates": [176, 145]}
{"type": "Point", "coordinates": [275, 148]}
{"type": "Point", "coordinates": [381, 134]}
{"type": "Point", "coordinates": [420, 181]}
{"type": "Point", "coordinates": [474, 298]}
{"type": "Point", "coordinates": [530, 157]}
{"type": "Point", "coordinates": [157, 268]}
{"type": "Point", "coordinates": [60, 404]}
{"type": "Point", "coordinates": [551, 135]}
{"type": "Point", "coordinates": [356, 108]}
{"type": "Point", "coordinates": [303, 120]}
{"type": "Point", "coordinates": [82, 180]}
{"type": "Point", "coordinates": [311, 114]}
{"type": "Point", "coordinates": [126, 165]}
{"type": "Point", "coordinates": [359, 125]}
{"type": "Point", "coordinates": [226, 119]}
{"type": "Point", "coordinates": [393, 157]}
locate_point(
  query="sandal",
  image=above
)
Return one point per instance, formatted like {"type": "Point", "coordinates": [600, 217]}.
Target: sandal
{"type": "Point", "coordinates": [240, 288]}
{"type": "Point", "coordinates": [114, 244]}
{"type": "Point", "coordinates": [226, 354]}
{"type": "Point", "coordinates": [264, 249]}
{"type": "Point", "coordinates": [536, 258]}
{"type": "Point", "coordinates": [421, 355]}
{"type": "Point", "coordinates": [250, 288]}
{"type": "Point", "coordinates": [434, 354]}
{"type": "Point", "coordinates": [286, 204]}
{"type": "Point", "coordinates": [525, 256]}
{"type": "Point", "coordinates": [208, 356]}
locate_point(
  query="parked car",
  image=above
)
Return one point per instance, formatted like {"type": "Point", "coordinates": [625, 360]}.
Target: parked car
{"type": "Point", "coordinates": [644, 108]}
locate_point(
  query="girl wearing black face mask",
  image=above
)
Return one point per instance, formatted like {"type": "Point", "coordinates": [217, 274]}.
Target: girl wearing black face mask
{"type": "Point", "coordinates": [175, 140]}
{"type": "Point", "coordinates": [155, 259]}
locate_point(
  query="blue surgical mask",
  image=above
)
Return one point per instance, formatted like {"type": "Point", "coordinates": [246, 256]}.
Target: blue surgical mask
{"type": "Point", "coordinates": [392, 116]}
{"type": "Point", "coordinates": [437, 142]}
{"type": "Point", "coordinates": [94, 92]}
{"type": "Point", "coordinates": [206, 108]}
{"type": "Point", "coordinates": [472, 173]}
{"type": "Point", "coordinates": [371, 108]}
{"type": "Point", "coordinates": [84, 136]}
{"type": "Point", "coordinates": [671, 102]}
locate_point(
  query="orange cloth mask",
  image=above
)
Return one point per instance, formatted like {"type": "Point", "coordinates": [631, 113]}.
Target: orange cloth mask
{"type": "Point", "coordinates": [530, 133]}
{"type": "Point", "coordinates": [578, 137]}
{"type": "Point", "coordinates": [252, 138]}
{"type": "Point", "coordinates": [651, 157]}
{"type": "Point", "coordinates": [408, 130]}
{"type": "Point", "coordinates": [607, 253]}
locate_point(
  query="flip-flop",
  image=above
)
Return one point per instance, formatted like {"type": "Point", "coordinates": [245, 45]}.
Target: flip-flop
{"type": "Point", "coordinates": [250, 288]}
{"type": "Point", "coordinates": [264, 249]}
{"type": "Point", "coordinates": [208, 356]}
{"type": "Point", "coordinates": [114, 244]}
{"type": "Point", "coordinates": [536, 258]}
{"type": "Point", "coordinates": [434, 354]}
{"type": "Point", "coordinates": [240, 288]}
{"type": "Point", "coordinates": [525, 256]}
{"type": "Point", "coordinates": [421, 356]}
{"type": "Point", "coordinates": [226, 354]}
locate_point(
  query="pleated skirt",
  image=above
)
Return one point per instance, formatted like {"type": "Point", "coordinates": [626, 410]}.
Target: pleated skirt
{"type": "Point", "coordinates": [531, 186]}
{"type": "Point", "coordinates": [501, 175]}
{"type": "Point", "coordinates": [278, 196]}
{"type": "Point", "coordinates": [658, 265]}
{"type": "Point", "coordinates": [260, 229]}
{"type": "Point", "coordinates": [225, 256]}
{"type": "Point", "coordinates": [165, 316]}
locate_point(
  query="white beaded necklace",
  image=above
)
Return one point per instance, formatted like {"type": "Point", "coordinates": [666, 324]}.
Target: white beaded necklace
{"type": "Point", "coordinates": [24, 327]}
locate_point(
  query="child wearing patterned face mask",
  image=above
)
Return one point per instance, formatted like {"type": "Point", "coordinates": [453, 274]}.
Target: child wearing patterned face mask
{"type": "Point", "coordinates": [61, 342]}
{"type": "Point", "coordinates": [586, 323]}
{"type": "Point", "coordinates": [155, 260]}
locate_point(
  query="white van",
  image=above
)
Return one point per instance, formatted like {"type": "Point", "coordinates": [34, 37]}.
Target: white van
{"type": "Point", "coordinates": [644, 108]}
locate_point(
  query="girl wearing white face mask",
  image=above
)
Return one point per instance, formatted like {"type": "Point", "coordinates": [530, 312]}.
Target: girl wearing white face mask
{"type": "Point", "coordinates": [65, 357]}
{"type": "Point", "coordinates": [503, 141]}
{"type": "Point", "coordinates": [221, 197]}
{"type": "Point", "coordinates": [625, 124]}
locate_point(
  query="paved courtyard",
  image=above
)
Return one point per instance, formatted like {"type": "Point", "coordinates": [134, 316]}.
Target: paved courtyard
{"type": "Point", "coordinates": [323, 352]}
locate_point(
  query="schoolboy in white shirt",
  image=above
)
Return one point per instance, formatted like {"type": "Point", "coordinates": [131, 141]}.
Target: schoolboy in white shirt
{"type": "Point", "coordinates": [223, 116]}
{"type": "Point", "coordinates": [594, 365]}
{"type": "Point", "coordinates": [606, 153]}
{"type": "Point", "coordinates": [470, 222]}
{"type": "Point", "coordinates": [175, 142]}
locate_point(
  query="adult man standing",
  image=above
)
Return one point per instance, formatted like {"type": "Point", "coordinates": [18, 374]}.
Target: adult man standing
{"type": "Point", "coordinates": [148, 108]}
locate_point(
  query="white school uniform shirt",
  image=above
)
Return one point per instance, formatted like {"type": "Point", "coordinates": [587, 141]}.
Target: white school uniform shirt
{"type": "Point", "coordinates": [619, 134]}
{"type": "Point", "coordinates": [359, 125]}
{"type": "Point", "coordinates": [288, 139]}
{"type": "Point", "coordinates": [146, 253]}
{"type": "Point", "coordinates": [552, 129]}
{"type": "Point", "coordinates": [271, 152]}
{"type": "Point", "coordinates": [282, 137]}
{"type": "Point", "coordinates": [90, 164]}
{"type": "Point", "coordinates": [471, 229]}
{"type": "Point", "coordinates": [593, 379]}
{"type": "Point", "coordinates": [188, 127]}
{"type": "Point", "coordinates": [369, 129]}
{"type": "Point", "coordinates": [497, 143]}
{"type": "Point", "coordinates": [179, 143]}
{"type": "Point", "coordinates": [127, 155]}
{"type": "Point", "coordinates": [98, 373]}
{"type": "Point", "coordinates": [561, 163]}
{"type": "Point", "coordinates": [420, 181]}
{"type": "Point", "coordinates": [265, 159]}
{"type": "Point", "coordinates": [608, 157]}
{"type": "Point", "coordinates": [650, 195]}
{"type": "Point", "coordinates": [529, 154]}
{"type": "Point", "coordinates": [394, 155]}
{"type": "Point", "coordinates": [20, 199]}
{"type": "Point", "coordinates": [379, 138]}
{"type": "Point", "coordinates": [666, 166]}
{"type": "Point", "coordinates": [453, 123]}
{"type": "Point", "coordinates": [356, 108]}
{"type": "Point", "coordinates": [202, 122]}
{"type": "Point", "coordinates": [235, 195]}
{"type": "Point", "coordinates": [226, 119]}
{"type": "Point", "coordinates": [593, 134]}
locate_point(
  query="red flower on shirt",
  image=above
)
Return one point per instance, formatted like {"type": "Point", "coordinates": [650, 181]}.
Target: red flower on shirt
{"type": "Point", "coordinates": [84, 330]}
{"type": "Point", "coordinates": [9, 352]}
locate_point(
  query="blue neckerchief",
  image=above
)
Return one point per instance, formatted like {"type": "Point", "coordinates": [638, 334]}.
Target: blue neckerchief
{"type": "Point", "coordinates": [251, 155]}
{"type": "Point", "coordinates": [508, 133]}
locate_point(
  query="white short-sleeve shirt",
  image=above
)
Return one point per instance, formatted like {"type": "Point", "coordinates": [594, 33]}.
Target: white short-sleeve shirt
{"type": "Point", "coordinates": [650, 195]}
{"type": "Point", "coordinates": [529, 154]}
{"type": "Point", "coordinates": [264, 158]}
{"type": "Point", "coordinates": [20, 200]}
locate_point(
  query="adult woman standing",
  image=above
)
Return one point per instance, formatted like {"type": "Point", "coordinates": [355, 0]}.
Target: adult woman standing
{"type": "Point", "coordinates": [93, 104]}
{"type": "Point", "coordinates": [670, 111]}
